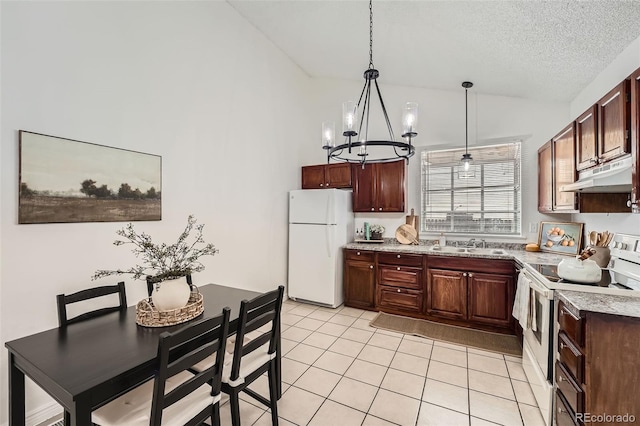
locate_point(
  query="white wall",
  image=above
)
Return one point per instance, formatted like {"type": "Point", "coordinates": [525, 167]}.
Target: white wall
{"type": "Point", "coordinates": [622, 67]}
{"type": "Point", "coordinates": [441, 126]}
{"type": "Point", "coordinates": [190, 81]}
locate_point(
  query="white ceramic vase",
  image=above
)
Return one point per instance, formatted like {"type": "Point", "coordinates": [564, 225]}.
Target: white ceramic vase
{"type": "Point", "coordinates": [171, 294]}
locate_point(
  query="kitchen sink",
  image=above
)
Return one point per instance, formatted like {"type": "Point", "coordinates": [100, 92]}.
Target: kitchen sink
{"type": "Point", "coordinates": [449, 249]}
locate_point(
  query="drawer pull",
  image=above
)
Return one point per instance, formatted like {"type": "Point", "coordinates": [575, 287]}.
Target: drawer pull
{"type": "Point", "coordinates": [560, 379]}
{"type": "Point", "coordinates": [470, 274]}
{"type": "Point", "coordinates": [370, 266]}
{"type": "Point", "coordinates": [562, 345]}
{"type": "Point", "coordinates": [464, 274]}
{"type": "Point", "coordinates": [398, 268]}
{"type": "Point", "coordinates": [398, 256]}
{"type": "Point", "coordinates": [321, 185]}
{"type": "Point", "coordinates": [358, 253]}
{"type": "Point", "coordinates": [399, 291]}
{"type": "Point", "coordinates": [562, 410]}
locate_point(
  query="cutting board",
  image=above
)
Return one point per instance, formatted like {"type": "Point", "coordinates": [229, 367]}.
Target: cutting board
{"type": "Point", "coordinates": [407, 234]}
{"type": "Point", "coordinates": [412, 220]}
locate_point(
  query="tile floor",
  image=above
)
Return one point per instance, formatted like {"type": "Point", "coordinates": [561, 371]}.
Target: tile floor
{"type": "Point", "coordinates": [336, 370]}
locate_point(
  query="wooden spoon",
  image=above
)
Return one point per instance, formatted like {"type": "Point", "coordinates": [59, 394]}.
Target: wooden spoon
{"type": "Point", "coordinates": [593, 236]}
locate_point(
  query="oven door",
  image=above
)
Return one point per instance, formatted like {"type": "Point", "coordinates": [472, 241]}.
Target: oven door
{"type": "Point", "coordinates": [540, 339]}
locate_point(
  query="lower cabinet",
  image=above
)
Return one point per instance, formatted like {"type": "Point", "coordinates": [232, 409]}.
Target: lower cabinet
{"type": "Point", "coordinates": [596, 369]}
{"type": "Point", "coordinates": [446, 293]}
{"type": "Point", "coordinates": [359, 279]}
{"type": "Point", "coordinates": [471, 292]}
{"type": "Point", "coordinates": [400, 283]}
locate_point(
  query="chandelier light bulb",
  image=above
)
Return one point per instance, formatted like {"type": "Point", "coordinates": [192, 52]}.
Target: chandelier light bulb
{"type": "Point", "coordinates": [328, 134]}
{"type": "Point", "coordinates": [349, 112]}
{"type": "Point", "coordinates": [410, 119]}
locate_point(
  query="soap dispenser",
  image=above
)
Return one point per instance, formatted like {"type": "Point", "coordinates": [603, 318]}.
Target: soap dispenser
{"type": "Point", "coordinates": [442, 240]}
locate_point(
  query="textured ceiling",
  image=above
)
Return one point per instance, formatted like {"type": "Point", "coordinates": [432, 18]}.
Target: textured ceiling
{"type": "Point", "coordinates": [547, 50]}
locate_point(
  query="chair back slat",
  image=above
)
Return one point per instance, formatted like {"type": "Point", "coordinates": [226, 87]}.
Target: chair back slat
{"type": "Point", "coordinates": [181, 350]}
{"type": "Point", "coordinates": [65, 299]}
{"type": "Point", "coordinates": [254, 314]}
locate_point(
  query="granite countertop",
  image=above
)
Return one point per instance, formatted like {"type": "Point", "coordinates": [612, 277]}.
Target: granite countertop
{"type": "Point", "coordinates": [600, 303]}
{"type": "Point", "coordinates": [520, 256]}
{"type": "Point", "coordinates": [575, 300]}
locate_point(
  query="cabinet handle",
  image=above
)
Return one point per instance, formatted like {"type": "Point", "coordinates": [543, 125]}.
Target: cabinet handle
{"type": "Point", "coordinates": [399, 291]}
{"type": "Point", "coordinates": [373, 209]}
{"type": "Point", "coordinates": [398, 268]}
{"type": "Point", "coordinates": [560, 378]}
{"type": "Point", "coordinates": [380, 209]}
{"type": "Point", "coordinates": [562, 345]}
{"type": "Point", "coordinates": [398, 256]}
{"type": "Point", "coordinates": [321, 185]}
{"type": "Point", "coordinates": [464, 274]}
{"type": "Point", "coordinates": [561, 410]}
{"type": "Point", "coordinates": [370, 266]}
{"type": "Point", "coordinates": [470, 274]}
{"type": "Point", "coordinates": [327, 183]}
{"type": "Point", "coordinates": [358, 253]}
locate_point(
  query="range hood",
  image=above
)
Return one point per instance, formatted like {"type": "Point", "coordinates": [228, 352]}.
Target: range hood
{"type": "Point", "coordinates": [610, 177]}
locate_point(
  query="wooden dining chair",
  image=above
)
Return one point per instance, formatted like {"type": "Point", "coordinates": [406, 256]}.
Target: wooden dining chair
{"type": "Point", "coordinates": [65, 299]}
{"type": "Point", "coordinates": [176, 396]}
{"type": "Point", "coordinates": [259, 317]}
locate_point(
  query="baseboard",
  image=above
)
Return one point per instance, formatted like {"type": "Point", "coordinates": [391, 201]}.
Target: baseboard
{"type": "Point", "coordinates": [42, 413]}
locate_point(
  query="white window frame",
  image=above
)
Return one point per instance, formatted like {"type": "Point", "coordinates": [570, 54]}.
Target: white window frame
{"type": "Point", "coordinates": [450, 158]}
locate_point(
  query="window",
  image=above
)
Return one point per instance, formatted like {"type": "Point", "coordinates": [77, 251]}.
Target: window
{"type": "Point", "coordinates": [487, 202]}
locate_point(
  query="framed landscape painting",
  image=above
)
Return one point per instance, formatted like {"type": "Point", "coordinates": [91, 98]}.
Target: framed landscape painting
{"type": "Point", "coordinates": [559, 237]}
{"type": "Point", "coordinates": [64, 180]}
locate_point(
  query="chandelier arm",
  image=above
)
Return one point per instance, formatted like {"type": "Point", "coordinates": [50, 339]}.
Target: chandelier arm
{"type": "Point", "coordinates": [365, 105]}
{"type": "Point", "coordinates": [366, 132]}
{"type": "Point", "coordinates": [384, 112]}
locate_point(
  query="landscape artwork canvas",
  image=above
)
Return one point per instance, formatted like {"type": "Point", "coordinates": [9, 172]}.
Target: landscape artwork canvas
{"type": "Point", "coordinates": [64, 180]}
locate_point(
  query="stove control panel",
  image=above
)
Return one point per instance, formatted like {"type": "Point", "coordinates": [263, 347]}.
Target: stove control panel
{"type": "Point", "coordinates": [626, 246]}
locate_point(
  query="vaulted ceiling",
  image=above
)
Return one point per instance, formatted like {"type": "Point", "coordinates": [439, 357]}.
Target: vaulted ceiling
{"type": "Point", "coordinates": [547, 50]}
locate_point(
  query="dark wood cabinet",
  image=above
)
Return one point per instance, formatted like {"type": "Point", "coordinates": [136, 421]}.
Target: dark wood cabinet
{"type": "Point", "coordinates": [545, 179]}
{"type": "Point", "coordinates": [490, 298]}
{"type": "Point", "coordinates": [447, 293]}
{"type": "Point", "coordinates": [326, 176]}
{"type": "Point", "coordinates": [635, 141]}
{"type": "Point", "coordinates": [359, 279]}
{"type": "Point", "coordinates": [564, 169]}
{"type": "Point", "coordinates": [400, 283]}
{"type": "Point", "coordinates": [596, 368]}
{"type": "Point", "coordinates": [471, 291]}
{"type": "Point", "coordinates": [587, 139]}
{"type": "Point", "coordinates": [379, 187]}
{"type": "Point", "coordinates": [614, 123]}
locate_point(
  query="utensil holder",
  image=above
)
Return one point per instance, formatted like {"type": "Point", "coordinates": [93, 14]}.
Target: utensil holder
{"type": "Point", "coordinates": [602, 256]}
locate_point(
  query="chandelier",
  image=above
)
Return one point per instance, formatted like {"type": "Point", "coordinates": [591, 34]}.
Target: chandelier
{"type": "Point", "coordinates": [357, 148]}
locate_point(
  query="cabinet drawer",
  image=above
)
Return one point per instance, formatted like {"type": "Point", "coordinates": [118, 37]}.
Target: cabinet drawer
{"type": "Point", "coordinates": [573, 326]}
{"type": "Point", "coordinates": [400, 298]}
{"type": "Point", "coordinates": [564, 416]}
{"type": "Point", "coordinates": [363, 255]}
{"type": "Point", "coordinates": [400, 276]}
{"type": "Point", "coordinates": [572, 393]}
{"type": "Point", "coordinates": [571, 357]}
{"type": "Point", "coordinates": [400, 259]}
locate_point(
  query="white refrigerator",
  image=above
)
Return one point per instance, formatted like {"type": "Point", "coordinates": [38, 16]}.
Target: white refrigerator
{"type": "Point", "coordinates": [320, 223]}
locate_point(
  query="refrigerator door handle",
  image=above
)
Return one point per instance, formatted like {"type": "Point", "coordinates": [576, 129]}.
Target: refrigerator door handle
{"type": "Point", "coordinates": [328, 239]}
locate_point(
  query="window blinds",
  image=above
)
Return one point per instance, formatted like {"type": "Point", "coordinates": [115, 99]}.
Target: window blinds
{"type": "Point", "coordinates": [487, 203]}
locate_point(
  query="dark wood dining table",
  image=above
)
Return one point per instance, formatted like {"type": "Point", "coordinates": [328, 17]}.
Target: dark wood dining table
{"type": "Point", "coordinates": [87, 364]}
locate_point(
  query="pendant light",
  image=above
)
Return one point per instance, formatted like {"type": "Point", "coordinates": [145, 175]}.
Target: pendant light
{"type": "Point", "coordinates": [357, 148]}
{"type": "Point", "coordinates": [466, 169]}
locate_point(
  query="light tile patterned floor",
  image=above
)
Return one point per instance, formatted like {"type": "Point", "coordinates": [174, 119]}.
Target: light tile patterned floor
{"type": "Point", "coordinates": [339, 371]}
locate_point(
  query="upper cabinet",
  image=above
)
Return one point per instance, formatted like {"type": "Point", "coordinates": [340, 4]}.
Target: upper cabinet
{"type": "Point", "coordinates": [614, 123]}
{"type": "Point", "coordinates": [635, 141]}
{"type": "Point", "coordinates": [587, 139]}
{"type": "Point", "coordinates": [379, 187]}
{"type": "Point", "coordinates": [564, 169]}
{"type": "Point", "coordinates": [326, 176]}
{"type": "Point", "coordinates": [545, 179]}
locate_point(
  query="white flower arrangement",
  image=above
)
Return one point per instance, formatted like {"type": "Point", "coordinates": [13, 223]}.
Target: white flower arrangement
{"type": "Point", "coordinates": [378, 229]}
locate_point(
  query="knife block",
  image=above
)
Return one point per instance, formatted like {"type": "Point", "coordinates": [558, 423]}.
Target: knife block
{"type": "Point", "coordinates": [602, 256]}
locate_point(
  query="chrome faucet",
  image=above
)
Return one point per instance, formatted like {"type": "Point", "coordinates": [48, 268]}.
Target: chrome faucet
{"type": "Point", "coordinates": [471, 243]}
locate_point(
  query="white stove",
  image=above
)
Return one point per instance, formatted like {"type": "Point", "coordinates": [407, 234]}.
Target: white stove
{"type": "Point", "coordinates": [621, 277]}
